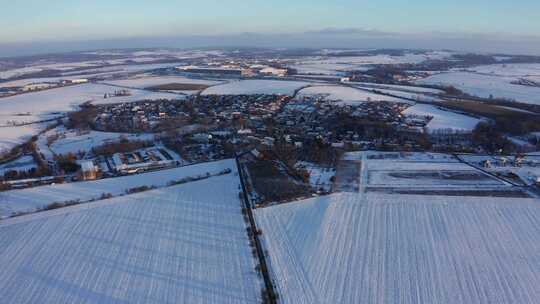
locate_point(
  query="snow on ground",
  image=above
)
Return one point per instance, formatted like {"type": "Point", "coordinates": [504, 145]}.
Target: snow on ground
{"type": "Point", "coordinates": [407, 95]}
{"type": "Point", "coordinates": [10, 137]}
{"type": "Point", "coordinates": [482, 85]}
{"type": "Point", "coordinates": [419, 171]}
{"type": "Point", "coordinates": [442, 120]}
{"type": "Point", "coordinates": [182, 244]}
{"type": "Point", "coordinates": [403, 88]}
{"type": "Point", "coordinates": [337, 65]}
{"type": "Point", "coordinates": [319, 177]}
{"type": "Point", "coordinates": [71, 141]}
{"type": "Point", "coordinates": [381, 248]}
{"type": "Point", "coordinates": [31, 199]}
{"type": "Point", "coordinates": [528, 170]}
{"type": "Point", "coordinates": [23, 163]}
{"type": "Point", "coordinates": [512, 70]}
{"type": "Point", "coordinates": [256, 87]}
{"type": "Point", "coordinates": [345, 95]}
{"type": "Point", "coordinates": [69, 98]}
{"type": "Point", "coordinates": [123, 69]}
{"type": "Point", "coordinates": [23, 82]}
{"type": "Point", "coordinates": [150, 81]}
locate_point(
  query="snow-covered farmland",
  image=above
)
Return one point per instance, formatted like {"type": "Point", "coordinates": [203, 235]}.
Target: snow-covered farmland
{"type": "Point", "coordinates": [23, 163]}
{"type": "Point", "coordinates": [442, 120]}
{"type": "Point", "coordinates": [381, 248]}
{"type": "Point", "coordinates": [399, 88]}
{"type": "Point", "coordinates": [31, 199]}
{"type": "Point", "coordinates": [511, 70]}
{"type": "Point", "coordinates": [430, 171]}
{"type": "Point", "coordinates": [337, 65]}
{"type": "Point", "coordinates": [256, 87]}
{"type": "Point", "coordinates": [69, 141]}
{"type": "Point", "coordinates": [182, 244]}
{"type": "Point", "coordinates": [24, 82]}
{"type": "Point", "coordinates": [69, 98]}
{"type": "Point", "coordinates": [345, 95]}
{"type": "Point", "coordinates": [485, 85]}
{"type": "Point", "coordinates": [11, 137]}
{"type": "Point", "coordinates": [151, 81]}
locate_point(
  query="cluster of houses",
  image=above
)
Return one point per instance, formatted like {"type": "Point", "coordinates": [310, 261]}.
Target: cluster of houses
{"type": "Point", "coordinates": [142, 160]}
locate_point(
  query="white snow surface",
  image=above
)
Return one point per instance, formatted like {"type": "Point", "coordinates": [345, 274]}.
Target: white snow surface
{"type": "Point", "coordinates": [513, 70]}
{"type": "Point", "coordinates": [70, 141]}
{"type": "Point", "coordinates": [484, 85]}
{"type": "Point", "coordinates": [398, 87]}
{"type": "Point", "coordinates": [182, 244]}
{"type": "Point", "coordinates": [346, 95]}
{"type": "Point", "coordinates": [23, 163]}
{"type": "Point", "coordinates": [443, 120]}
{"type": "Point", "coordinates": [383, 248]}
{"type": "Point", "coordinates": [69, 98]}
{"type": "Point", "coordinates": [150, 81]}
{"type": "Point", "coordinates": [11, 137]}
{"type": "Point", "coordinates": [255, 87]}
{"type": "Point", "coordinates": [32, 199]}
{"type": "Point", "coordinates": [325, 65]}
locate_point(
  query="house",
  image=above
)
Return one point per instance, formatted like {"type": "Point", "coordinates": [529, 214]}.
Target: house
{"type": "Point", "coordinates": [270, 71]}
{"type": "Point", "coordinates": [88, 170]}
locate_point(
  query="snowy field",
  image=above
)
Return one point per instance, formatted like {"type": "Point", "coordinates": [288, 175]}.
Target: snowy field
{"type": "Point", "coordinates": [406, 95]}
{"type": "Point", "coordinates": [337, 65]}
{"type": "Point", "coordinates": [10, 137]}
{"type": "Point", "coordinates": [398, 88]}
{"type": "Point", "coordinates": [428, 171]}
{"type": "Point", "coordinates": [484, 85]}
{"type": "Point", "coordinates": [31, 199]}
{"type": "Point", "coordinates": [182, 244]}
{"type": "Point", "coordinates": [23, 163]}
{"type": "Point", "coordinates": [150, 81]}
{"type": "Point", "coordinates": [69, 98]}
{"type": "Point", "coordinates": [70, 141]}
{"type": "Point", "coordinates": [256, 87]}
{"type": "Point", "coordinates": [345, 95]}
{"type": "Point", "coordinates": [442, 120]}
{"type": "Point", "coordinates": [74, 68]}
{"type": "Point", "coordinates": [381, 248]}
{"type": "Point", "coordinates": [509, 70]}
{"type": "Point", "coordinates": [23, 82]}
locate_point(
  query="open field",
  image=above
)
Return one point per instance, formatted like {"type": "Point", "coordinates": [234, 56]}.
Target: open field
{"type": "Point", "coordinates": [178, 87]}
{"type": "Point", "coordinates": [488, 110]}
{"type": "Point", "coordinates": [10, 137]}
{"type": "Point", "coordinates": [182, 244]}
{"type": "Point", "coordinates": [244, 87]}
{"type": "Point", "coordinates": [32, 199]}
{"type": "Point", "coordinates": [69, 141]}
{"type": "Point", "coordinates": [412, 171]}
{"type": "Point", "coordinates": [429, 177]}
{"type": "Point", "coordinates": [442, 120]}
{"type": "Point", "coordinates": [381, 248]}
{"type": "Point", "coordinates": [486, 85]}
{"type": "Point", "coordinates": [345, 95]}
{"type": "Point", "coordinates": [23, 163]}
{"type": "Point", "coordinates": [69, 98]}
{"type": "Point", "coordinates": [164, 83]}
{"type": "Point", "coordinates": [338, 65]}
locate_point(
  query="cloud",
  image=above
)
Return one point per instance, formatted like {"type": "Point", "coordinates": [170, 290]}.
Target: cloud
{"type": "Point", "coordinates": [325, 38]}
{"type": "Point", "coordinates": [349, 31]}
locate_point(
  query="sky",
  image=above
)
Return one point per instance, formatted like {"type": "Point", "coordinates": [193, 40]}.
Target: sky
{"type": "Point", "coordinates": [37, 21]}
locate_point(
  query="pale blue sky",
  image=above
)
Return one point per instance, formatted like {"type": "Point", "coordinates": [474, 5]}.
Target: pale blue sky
{"type": "Point", "coordinates": [32, 20]}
